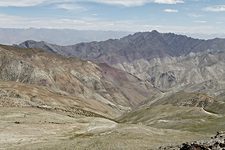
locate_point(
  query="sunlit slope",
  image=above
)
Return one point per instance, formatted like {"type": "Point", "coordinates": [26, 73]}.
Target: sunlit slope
{"type": "Point", "coordinates": [193, 112]}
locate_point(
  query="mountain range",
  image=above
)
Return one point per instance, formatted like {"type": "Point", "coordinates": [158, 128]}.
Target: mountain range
{"type": "Point", "coordinates": [168, 61]}
{"type": "Point", "coordinates": [143, 91]}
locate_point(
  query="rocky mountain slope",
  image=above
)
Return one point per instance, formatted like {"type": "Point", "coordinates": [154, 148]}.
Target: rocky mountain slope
{"type": "Point", "coordinates": [168, 61]}
{"type": "Point", "coordinates": [67, 83]}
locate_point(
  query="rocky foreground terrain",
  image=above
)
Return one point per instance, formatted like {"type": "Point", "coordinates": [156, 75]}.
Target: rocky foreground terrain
{"type": "Point", "coordinates": [215, 143]}
{"type": "Point", "coordinates": [144, 91]}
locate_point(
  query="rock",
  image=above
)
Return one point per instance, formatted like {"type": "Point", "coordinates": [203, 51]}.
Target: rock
{"type": "Point", "coordinates": [17, 122]}
{"type": "Point", "coordinates": [216, 143]}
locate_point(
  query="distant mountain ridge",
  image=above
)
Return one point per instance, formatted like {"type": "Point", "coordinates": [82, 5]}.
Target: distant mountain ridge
{"type": "Point", "coordinates": [166, 60]}
{"type": "Point", "coordinates": [139, 45]}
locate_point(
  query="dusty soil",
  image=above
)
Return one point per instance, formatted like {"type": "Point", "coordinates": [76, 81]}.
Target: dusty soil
{"type": "Point", "coordinates": [31, 128]}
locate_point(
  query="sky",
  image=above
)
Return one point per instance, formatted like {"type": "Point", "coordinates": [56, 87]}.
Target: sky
{"type": "Point", "coordinates": [179, 16]}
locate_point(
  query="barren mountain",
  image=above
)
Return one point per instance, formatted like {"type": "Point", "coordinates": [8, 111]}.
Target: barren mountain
{"type": "Point", "coordinates": [167, 60]}
{"type": "Point", "coordinates": [49, 101]}
{"type": "Point", "coordinates": [84, 85]}
{"type": "Point", "coordinates": [143, 91]}
{"type": "Point", "coordinates": [145, 45]}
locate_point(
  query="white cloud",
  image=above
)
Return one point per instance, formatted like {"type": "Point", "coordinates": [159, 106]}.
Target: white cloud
{"type": "Point", "coordinates": [171, 10]}
{"type": "Point", "coordinates": [65, 6]}
{"type": "Point", "coordinates": [8, 21]}
{"type": "Point", "coordinates": [200, 21]}
{"type": "Point", "coordinates": [70, 6]}
{"type": "Point", "coordinates": [215, 8]}
{"type": "Point", "coordinates": [20, 3]}
{"type": "Point", "coordinates": [129, 3]}
{"type": "Point", "coordinates": [28, 3]}
{"type": "Point", "coordinates": [194, 15]}
{"type": "Point", "coordinates": [168, 1]}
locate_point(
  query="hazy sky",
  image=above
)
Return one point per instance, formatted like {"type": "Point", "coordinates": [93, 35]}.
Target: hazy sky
{"type": "Point", "coordinates": [186, 16]}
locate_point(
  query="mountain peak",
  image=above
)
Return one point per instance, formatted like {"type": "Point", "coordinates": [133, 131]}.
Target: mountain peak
{"type": "Point", "coordinates": [154, 32]}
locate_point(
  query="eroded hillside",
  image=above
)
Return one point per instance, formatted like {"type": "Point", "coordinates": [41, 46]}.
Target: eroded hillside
{"type": "Point", "coordinates": [168, 61]}
{"type": "Point", "coordinates": [52, 81]}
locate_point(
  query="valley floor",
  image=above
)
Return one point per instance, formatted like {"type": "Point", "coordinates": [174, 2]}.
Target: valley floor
{"type": "Point", "coordinates": [31, 128]}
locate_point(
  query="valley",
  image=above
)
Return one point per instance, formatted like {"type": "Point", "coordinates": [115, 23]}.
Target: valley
{"type": "Point", "coordinates": [142, 91]}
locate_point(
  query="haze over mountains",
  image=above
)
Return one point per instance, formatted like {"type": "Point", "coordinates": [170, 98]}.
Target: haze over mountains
{"type": "Point", "coordinates": [68, 36]}
{"type": "Point", "coordinates": [56, 36]}
{"type": "Point", "coordinates": [142, 91]}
